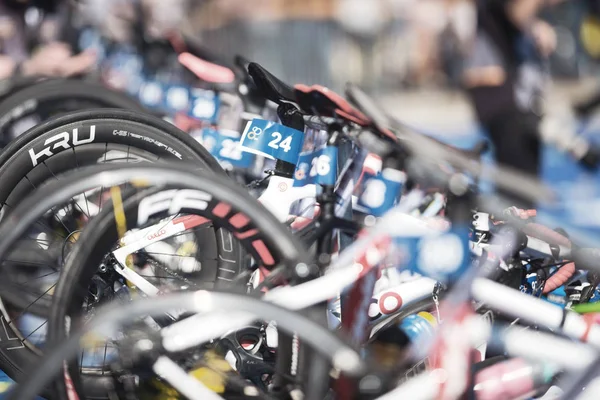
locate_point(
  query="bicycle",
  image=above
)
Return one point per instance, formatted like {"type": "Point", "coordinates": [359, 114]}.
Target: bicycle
{"type": "Point", "coordinates": [334, 288]}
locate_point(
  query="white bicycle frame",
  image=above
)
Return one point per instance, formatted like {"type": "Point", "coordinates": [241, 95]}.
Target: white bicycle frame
{"type": "Point", "coordinates": [148, 237]}
{"type": "Point", "coordinates": [281, 194]}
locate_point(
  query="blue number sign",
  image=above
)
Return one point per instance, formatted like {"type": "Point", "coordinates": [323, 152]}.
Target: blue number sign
{"type": "Point", "coordinates": [272, 140]}
{"type": "Point", "coordinates": [224, 145]}
{"type": "Point", "coordinates": [91, 39]}
{"type": "Point", "coordinates": [317, 167]}
{"type": "Point", "coordinates": [204, 105]}
{"type": "Point", "coordinates": [151, 94]}
{"type": "Point", "coordinates": [381, 192]}
{"type": "Point", "coordinates": [443, 257]}
{"type": "Point", "coordinates": [124, 68]}
{"type": "Point", "coordinates": [176, 98]}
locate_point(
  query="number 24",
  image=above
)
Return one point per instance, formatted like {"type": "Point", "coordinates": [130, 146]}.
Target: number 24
{"type": "Point", "coordinates": [285, 144]}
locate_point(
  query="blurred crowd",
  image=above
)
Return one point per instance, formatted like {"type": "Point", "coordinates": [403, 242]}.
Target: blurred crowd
{"type": "Point", "coordinates": [400, 42]}
{"type": "Point", "coordinates": [381, 44]}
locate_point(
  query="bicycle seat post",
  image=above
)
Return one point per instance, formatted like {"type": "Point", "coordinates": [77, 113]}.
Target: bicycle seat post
{"type": "Point", "coordinates": [327, 201]}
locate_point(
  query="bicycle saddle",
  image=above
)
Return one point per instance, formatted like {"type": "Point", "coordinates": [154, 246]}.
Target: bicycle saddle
{"type": "Point", "coordinates": [253, 99]}
{"type": "Point", "coordinates": [192, 45]}
{"type": "Point", "coordinates": [242, 64]}
{"type": "Point", "coordinates": [328, 103]}
{"type": "Point", "coordinates": [270, 86]}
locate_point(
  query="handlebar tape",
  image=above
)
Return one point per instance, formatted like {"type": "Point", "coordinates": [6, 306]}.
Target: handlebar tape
{"type": "Point", "coordinates": [552, 237]}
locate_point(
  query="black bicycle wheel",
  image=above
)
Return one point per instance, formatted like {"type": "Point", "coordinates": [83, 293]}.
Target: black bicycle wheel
{"type": "Point", "coordinates": [229, 207]}
{"type": "Point", "coordinates": [31, 102]}
{"type": "Point", "coordinates": [330, 346]}
{"type": "Point", "coordinates": [145, 138]}
{"type": "Point", "coordinates": [34, 158]}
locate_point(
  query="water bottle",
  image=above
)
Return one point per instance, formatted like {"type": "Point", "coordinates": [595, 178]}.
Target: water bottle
{"type": "Point", "coordinates": [418, 326]}
{"type": "Point", "coordinates": [387, 345]}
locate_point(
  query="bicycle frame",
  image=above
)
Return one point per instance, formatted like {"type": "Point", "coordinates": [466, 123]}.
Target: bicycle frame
{"type": "Point", "coordinates": [147, 237]}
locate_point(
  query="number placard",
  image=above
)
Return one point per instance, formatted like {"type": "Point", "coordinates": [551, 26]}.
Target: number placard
{"type": "Point", "coordinates": [176, 98]}
{"type": "Point", "coordinates": [151, 94]}
{"type": "Point", "coordinates": [272, 140]}
{"type": "Point", "coordinates": [443, 256]}
{"type": "Point", "coordinates": [317, 167]}
{"type": "Point", "coordinates": [204, 105]}
{"type": "Point", "coordinates": [381, 192]}
{"type": "Point", "coordinates": [123, 70]}
{"type": "Point", "coordinates": [224, 146]}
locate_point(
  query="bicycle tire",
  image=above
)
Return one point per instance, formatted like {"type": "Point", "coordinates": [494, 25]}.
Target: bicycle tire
{"type": "Point", "coordinates": [96, 240]}
{"type": "Point", "coordinates": [12, 85]}
{"type": "Point", "coordinates": [318, 337]}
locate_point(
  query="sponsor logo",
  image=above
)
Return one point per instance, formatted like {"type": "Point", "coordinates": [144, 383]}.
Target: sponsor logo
{"type": "Point", "coordinates": [172, 201]}
{"type": "Point", "coordinates": [64, 140]}
{"type": "Point", "coordinates": [388, 303]}
{"type": "Point", "coordinates": [156, 234]}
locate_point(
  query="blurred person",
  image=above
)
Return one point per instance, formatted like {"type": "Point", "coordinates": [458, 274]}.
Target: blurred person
{"type": "Point", "coordinates": [142, 39]}
{"type": "Point", "coordinates": [156, 29]}
{"type": "Point", "coordinates": [120, 20]}
{"type": "Point", "coordinates": [505, 77]}
{"type": "Point", "coordinates": [439, 30]}
{"type": "Point", "coordinates": [589, 32]}
{"type": "Point", "coordinates": [51, 57]}
{"type": "Point", "coordinates": [428, 19]}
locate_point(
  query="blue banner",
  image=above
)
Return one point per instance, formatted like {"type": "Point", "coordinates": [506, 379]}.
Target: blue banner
{"type": "Point", "coordinates": [317, 167]}
{"type": "Point", "coordinates": [272, 140]}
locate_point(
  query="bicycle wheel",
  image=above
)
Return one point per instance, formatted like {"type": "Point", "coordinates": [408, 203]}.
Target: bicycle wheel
{"type": "Point", "coordinates": [343, 356]}
{"type": "Point", "coordinates": [224, 203]}
{"type": "Point", "coordinates": [31, 103]}
{"type": "Point", "coordinates": [20, 177]}
{"type": "Point", "coordinates": [112, 136]}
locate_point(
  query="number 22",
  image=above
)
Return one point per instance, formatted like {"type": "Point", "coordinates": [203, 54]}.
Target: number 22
{"type": "Point", "coordinates": [286, 144]}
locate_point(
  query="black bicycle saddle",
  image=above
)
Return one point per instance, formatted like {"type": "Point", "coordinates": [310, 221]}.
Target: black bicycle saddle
{"type": "Point", "coordinates": [270, 86]}
{"type": "Point", "coordinates": [242, 64]}
{"type": "Point", "coordinates": [253, 98]}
